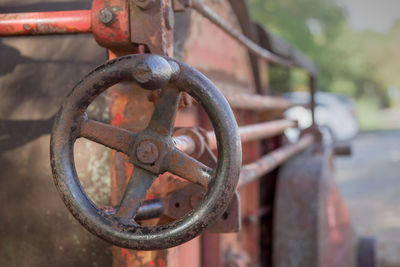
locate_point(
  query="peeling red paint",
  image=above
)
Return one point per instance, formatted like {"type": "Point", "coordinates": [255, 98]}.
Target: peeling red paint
{"type": "Point", "coordinates": [59, 22]}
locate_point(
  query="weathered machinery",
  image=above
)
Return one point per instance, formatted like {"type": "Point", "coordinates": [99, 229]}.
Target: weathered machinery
{"type": "Point", "coordinates": [170, 186]}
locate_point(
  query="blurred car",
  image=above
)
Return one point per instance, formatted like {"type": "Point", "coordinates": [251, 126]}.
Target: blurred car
{"type": "Point", "coordinates": [334, 114]}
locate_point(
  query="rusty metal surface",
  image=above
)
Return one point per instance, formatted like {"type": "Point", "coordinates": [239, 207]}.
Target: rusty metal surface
{"type": "Point", "coordinates": [257, 131]}
{"type": "Point", "coordinates": [182, 201]}
{"type": "Point", "coordinates": [230, 221]}
{"type": "Point", "coordinates": [224, 62]}
{"type": "Point", "coordinates": [107, 20]}
{"type": "Point", "coordinates": [298, 58]}
{"type": "Point", "coordinates": [310, 212]}
{"type": "Point", "coordinates": [251, 172]}
{"type": "Point", "coordinates": [40, 23]}
{"type": "Point", "coordinates": [274, 55]}
{"type": "Point", "coordinates": [113, 228]}
{"type": "Point", "coordinates": [247, 27]}
{"type": "Point", "coordinates": [110, 136]}
{"type": "Point", "coordinates": [267, 163]}
{"type": "Point", "coordinates": [131, 109]}
{"type": "Point", "coordinates": [111, 24]}
{"type": "Point", "coordinates": [191, 140]}
{"type": "Point", "coordinates": [243, 247]}
{"type": "Point", "coordinates": [152, 25]}
{"type": "Point", "coordinates": [262, 166]}
{"type": "Point", "coordinates": [265, 129]}
{"type": "Point", "coordinates": [143, 158]}
{"type": "Point", "coordinates": [199, 6]}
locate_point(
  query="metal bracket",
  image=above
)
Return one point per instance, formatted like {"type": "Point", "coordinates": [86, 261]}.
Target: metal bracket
{"type": "Point", "coordinates": [180, 202]}
{"type": "Point", "coordinates": [152, 24]}
{"type": "Point", "coordinates": [110, 24]}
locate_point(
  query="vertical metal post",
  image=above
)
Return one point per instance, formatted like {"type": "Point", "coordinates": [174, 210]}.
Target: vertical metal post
{"type": "Point", "coordinates": [313, 90]}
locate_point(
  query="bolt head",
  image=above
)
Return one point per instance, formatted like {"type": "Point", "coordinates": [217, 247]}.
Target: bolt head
{"type": "Point", "coordinates": [153, 72]}
{"type": "Point", "coordinates": [106, 16]}
{"type": "Point", "coordinates": [143, 73]}
{"type": "Point", "coordinates": [147, 152]}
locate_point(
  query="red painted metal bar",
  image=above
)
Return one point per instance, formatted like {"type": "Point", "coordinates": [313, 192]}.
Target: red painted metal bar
{"type": "Point", "coordinates": [41, 23]}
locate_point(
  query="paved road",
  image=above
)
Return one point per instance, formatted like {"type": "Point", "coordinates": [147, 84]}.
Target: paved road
{"type": "Point", "coordinates": [370, 184]}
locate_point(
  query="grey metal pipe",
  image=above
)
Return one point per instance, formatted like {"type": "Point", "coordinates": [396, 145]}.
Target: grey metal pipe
{"type": "Point", "coordinates": [256, 102]}
{"type": "Point", "coordinates": [184, 143]}
{"type": "Point", "coordinates": [267, 163]}
{"type": "Point", "coordinates": [256, 131]}
{"type": "Point", "coordinates": [247, 133]}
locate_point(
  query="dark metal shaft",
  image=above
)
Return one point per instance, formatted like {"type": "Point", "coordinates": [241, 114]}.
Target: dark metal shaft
{"type": "Point", "coordinates": [150, 209]}
{"type": "Point", "coordinates": [313, 89]}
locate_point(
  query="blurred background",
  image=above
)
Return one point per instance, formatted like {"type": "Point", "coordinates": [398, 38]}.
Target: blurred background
{"type": "Point", "coordinates": [356, 45]}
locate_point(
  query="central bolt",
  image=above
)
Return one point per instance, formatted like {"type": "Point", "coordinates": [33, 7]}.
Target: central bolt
{"type": "Point", "coordinates": [106, 16]}
{"type": "Point", "coordinates": [147, 152]}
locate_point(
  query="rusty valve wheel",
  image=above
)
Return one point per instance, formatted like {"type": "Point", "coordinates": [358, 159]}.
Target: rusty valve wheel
{"type": "Point", "coordinates": [151, 151]}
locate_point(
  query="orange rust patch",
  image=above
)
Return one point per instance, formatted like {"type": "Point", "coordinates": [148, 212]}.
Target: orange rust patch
{"type": "Point", "coordinates": [161, 263]}
{"type": "Point", "coordinates": [117, 120]}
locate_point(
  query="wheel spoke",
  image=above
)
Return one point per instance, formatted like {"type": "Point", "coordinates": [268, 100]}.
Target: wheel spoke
{"type": "Point", "coordinates": [135, 193]}
{"type": "Point", "coordinates": [163, 118]}
{"type": "Point", "coordinates": [188, 168]}
{"type": "Point", "coordinates": [107, 135]}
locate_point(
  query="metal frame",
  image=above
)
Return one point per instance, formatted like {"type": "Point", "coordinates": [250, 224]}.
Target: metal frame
{"type": "Point", "coordinates": [102, 14]}
{"type": "Point", "coordinates": [116, 29]}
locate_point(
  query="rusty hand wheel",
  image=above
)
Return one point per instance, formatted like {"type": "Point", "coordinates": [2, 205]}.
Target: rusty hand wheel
{"type": "Point", "coordinates": [151, 151]}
